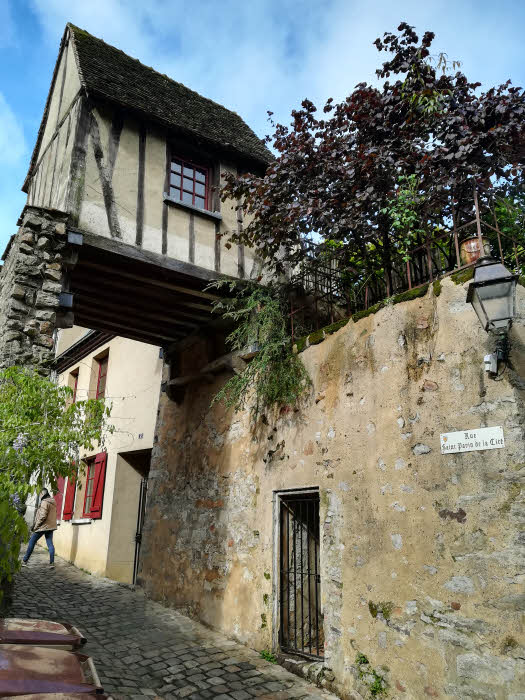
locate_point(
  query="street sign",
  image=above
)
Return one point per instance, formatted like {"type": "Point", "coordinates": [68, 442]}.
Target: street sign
{"type": "Point", "coordinates": [471, 440]}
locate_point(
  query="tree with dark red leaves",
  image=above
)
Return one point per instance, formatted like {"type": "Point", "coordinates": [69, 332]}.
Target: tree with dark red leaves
{"type": "Point", "coordinates": [337, 175]}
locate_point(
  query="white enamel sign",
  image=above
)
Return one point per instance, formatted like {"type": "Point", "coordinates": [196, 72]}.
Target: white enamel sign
{"type": "Point", "coordinates": [470, 440]}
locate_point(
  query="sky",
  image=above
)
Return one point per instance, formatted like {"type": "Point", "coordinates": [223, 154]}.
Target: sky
{"type": "Point", "coordinates": [249, 55]}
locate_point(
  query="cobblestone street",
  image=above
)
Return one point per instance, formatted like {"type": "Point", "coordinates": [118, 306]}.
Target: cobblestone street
{"type": "Point", "coordinates": [144, 650]}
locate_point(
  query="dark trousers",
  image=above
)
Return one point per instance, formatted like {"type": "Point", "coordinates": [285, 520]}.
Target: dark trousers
{"type": "Point", "coordinates": [34, 539]}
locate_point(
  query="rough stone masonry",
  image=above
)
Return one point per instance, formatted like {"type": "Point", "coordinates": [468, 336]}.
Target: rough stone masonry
{"type": "Point", "coordinates": [30, 286]}
{"type": "Point", "coordinates": [422, 555]}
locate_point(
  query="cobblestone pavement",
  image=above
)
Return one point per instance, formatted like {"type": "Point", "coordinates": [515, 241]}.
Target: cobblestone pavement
{"type": "Point", "coordinates": [144, 650]}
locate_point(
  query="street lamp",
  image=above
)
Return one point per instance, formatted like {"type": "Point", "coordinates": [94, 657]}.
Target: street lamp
{"type": "Point", "coordinates": [493, 296]}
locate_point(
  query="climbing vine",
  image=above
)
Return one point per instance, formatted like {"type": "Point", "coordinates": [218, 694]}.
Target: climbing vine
{"type": "Point", "coordinates": [275, 377]}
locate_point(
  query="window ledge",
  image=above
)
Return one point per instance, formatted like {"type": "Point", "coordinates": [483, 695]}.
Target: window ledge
{"type": "Point", "coordinates": [189, 207]}
{"type": "Point", "coordinates": [82, 521]}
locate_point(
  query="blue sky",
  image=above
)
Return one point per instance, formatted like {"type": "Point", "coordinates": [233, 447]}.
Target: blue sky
{"type": "Point", "coordinates": [249, 55]}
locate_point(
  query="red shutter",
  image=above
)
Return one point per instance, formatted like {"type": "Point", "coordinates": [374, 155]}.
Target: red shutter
{"type": "Point", "coordinates": [98, 485]}
{"type": "Point", "coordinates": [59, 495]}
{"type": "Point", "coordinates": [69, 500]}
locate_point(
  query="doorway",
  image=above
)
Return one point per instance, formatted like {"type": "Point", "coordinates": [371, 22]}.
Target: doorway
{"type": "Point", "coordinates": [301, 628]}
{"type": "Point", "coordinates": [140, 526]}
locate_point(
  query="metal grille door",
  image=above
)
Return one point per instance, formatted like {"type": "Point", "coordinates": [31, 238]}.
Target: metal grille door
{"type": "Point", "coordinates": [300, 593]}
{"type": "Point", "coordinates": [140, 526]}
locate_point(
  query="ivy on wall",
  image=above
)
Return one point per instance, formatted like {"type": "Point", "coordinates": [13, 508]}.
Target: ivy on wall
{"type": "Point", "coordinates": [276, 376]}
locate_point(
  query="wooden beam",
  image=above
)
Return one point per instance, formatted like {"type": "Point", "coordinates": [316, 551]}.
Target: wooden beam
{"type": "Point", "coordinates": [162, 262]}
{"type": "Point", "coordinates": [179, 382]}
{"type": "Point", "coordinates": [92, 320]}
{"type": "Point", "coordinates": [117, 272]}
{"type": "Point", "coordinates": [102, 288]}
{"type": "Point", "coordinates": [119, 305]}
{"type": "Point", "coordinates": [230, 361]}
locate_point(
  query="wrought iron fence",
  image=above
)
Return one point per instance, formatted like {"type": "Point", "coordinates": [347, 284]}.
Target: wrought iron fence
{"type": "Point", "coordinates": [327, 289]}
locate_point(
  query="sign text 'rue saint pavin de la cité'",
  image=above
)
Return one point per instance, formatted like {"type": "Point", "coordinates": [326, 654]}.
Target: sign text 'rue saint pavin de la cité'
{"type": "Point", "coordinates": [470, 440]}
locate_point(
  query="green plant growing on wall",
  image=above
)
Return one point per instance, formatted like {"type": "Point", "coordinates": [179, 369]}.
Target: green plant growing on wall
{"type": "Point", "coordinates": [374, 681]}
{"type": "Point", "coordinates": [268, 656]}
{"type": "Point", "coordinates": [41, 435]}
{"type": "Point", "coordinates": [275, 377]}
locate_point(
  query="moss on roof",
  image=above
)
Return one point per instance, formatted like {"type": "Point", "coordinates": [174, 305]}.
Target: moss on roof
{"type": "Point", "coordinates": [108, 73]}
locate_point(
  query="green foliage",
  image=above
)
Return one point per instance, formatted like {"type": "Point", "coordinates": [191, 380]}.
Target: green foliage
{"type": "Point", "coordinates": [268, 656]}
{"type": "Point", "coordinates": [404, 212]}
{"type": "Point", "coordinates": [377, 685]}
{"type": "Point", "coordinates": [275, 376]}
{"type": "Point", "coordinates": [42, 433]}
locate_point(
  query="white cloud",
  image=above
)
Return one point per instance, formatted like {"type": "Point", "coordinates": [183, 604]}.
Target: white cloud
{"type": "Point", "coordinates": [265, 54]}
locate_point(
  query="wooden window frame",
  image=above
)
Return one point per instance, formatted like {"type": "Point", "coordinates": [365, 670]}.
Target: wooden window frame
{"type": "Point", "coordinates": [102, 362]}
{"type": "Point", "coordinates": [74, 374]}
{"type": "Point", "coordinates": [90, 463]}
{"type": "Point", "coordinates": [96, 475]}
{"type": "Point", "coordinates": [176, 193]}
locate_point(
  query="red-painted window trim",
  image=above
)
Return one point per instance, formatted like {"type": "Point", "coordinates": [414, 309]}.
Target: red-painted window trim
{"type": "Point", "coordinates": [59, 495]}
{"type": "Point", "coordinates": [69, 499]}
{"type": "Point", "coordinates": [189, 183]}
{"type": "Point", "coordinates": [88, 494]}
{"type": "Point", "coordinates": [102, 374]}
{"type": "Point", "coordinates": [95, 481]}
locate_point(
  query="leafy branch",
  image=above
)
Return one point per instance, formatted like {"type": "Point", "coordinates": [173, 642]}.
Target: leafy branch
{"type": "Point", "coordinates": [275, 376]}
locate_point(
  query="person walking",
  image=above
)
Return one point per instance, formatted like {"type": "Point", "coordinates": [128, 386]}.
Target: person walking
{"type": "Point", "coordinates": [45, 524]}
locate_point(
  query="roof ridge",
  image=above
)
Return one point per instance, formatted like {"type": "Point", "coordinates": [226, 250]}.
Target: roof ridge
{"type": "Point", "coordinates": [75, 28]}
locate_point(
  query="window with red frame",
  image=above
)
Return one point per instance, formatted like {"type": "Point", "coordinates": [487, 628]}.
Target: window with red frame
{"type": "Point", "coordinates": [94, 494]}
{"type": "Point", "coordinates": [73, 383]}
{"type": "Point", "coordinates": [189, 183]}
{"type": "Point", "coordinates": [101, 379]}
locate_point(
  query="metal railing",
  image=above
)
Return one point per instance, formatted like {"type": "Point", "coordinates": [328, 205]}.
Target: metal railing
{"type": "Point", "coordinates": [328, 289]}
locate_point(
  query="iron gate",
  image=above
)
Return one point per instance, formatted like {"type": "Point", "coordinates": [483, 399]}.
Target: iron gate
{"type": "Point", "coordinates": [301, 628]}
{"type": "Point", "coordinates": [140, 525]}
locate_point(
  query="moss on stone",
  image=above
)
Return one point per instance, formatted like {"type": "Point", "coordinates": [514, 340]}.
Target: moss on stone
{"type": "Point", "coordinates": [409, 294]}
{"type": "Point", "coordinates": [334, 327]}
{"type": "Point", "coordinates": [514, 492]}
{"type": "Point", "coordinates": [367, 312]}
{"type": "Point", "coordinates": [267, 576]}
{"type": "Point", "coordinates": [508, 645]}
{"type": "Point", "coordinates": [436, 286]}
{"type": "Point", "coordinates": [462, 276]}
{"type": "Point", "coordinates": [266, 598]}
{"type": "Point", "coordinates": [316, 337]}
{"type": "Point", "coordinates": [264, 622]}
{"type": "Point", "coordinates": [383, 608]}
{"type": "Point", "coordinates": [301, 344]}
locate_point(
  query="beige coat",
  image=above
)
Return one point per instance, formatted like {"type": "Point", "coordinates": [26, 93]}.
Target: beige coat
{"type": "Point", "coordinates": [46, 516]}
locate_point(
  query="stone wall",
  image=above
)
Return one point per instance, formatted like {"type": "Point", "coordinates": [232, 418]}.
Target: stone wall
{"type": "Point", "coordinates": [422, 554]}
{"type": "Point", "coordinates": [30, 286]}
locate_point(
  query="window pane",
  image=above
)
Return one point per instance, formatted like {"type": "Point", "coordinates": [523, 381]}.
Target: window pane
{"type": "Point", "coordinates": [174, 193]}
{"type": "Point", "coordinates": [187, 197]}
{"type": "Point", "coordinates": [188, 172]}
{"type": "Point", "coordinates": [200, 176]}
{"type": "Point", "coordinates": [176, 166]}
{"type": "Point", "coordinates": [175, 180]}
{"type": "Point", "coordinates": [199, 189]}
{"type": "Point", "coordinates": [188, 184]}
{"type": "Point", "coordinates": [199, 202]}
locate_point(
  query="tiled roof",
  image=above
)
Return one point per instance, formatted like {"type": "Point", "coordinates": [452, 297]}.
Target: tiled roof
{"type": "Point", "coordinates": [109, 73]}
